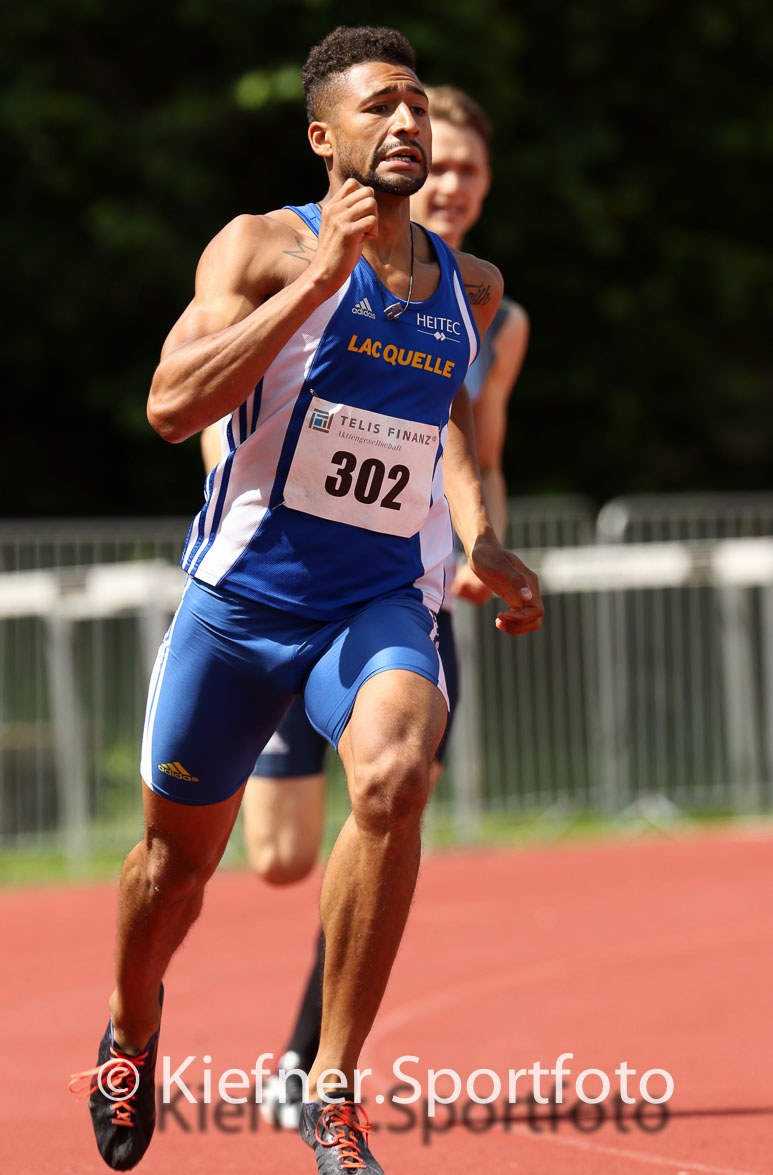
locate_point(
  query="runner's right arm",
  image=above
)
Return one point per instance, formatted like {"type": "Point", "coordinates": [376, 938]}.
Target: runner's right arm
{"type": "Point", "coordinates": [246, 308]}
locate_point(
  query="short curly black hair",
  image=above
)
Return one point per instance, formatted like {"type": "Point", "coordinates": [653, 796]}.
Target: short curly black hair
{"type": "Point", "coordinates": [344, 47]}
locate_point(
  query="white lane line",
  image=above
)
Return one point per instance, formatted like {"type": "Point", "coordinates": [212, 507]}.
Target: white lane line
{"type": "Point", "coordinates": [681, 1166]}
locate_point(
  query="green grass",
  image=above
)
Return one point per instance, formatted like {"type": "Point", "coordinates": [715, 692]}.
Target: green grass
{"type": "Point", "coordinates": [36, 867]}
{"type": "Point", "coordinates": [22, 867]}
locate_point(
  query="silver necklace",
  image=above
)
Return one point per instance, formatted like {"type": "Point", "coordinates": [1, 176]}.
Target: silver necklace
{"type": "Point", "coordinates": [395, 309]}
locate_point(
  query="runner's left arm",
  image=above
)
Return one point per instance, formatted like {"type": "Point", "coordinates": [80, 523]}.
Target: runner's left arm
{"type": "Point", "coordinates": [489, 413]}
{"type": "Point", "coordinates": [501, 570]}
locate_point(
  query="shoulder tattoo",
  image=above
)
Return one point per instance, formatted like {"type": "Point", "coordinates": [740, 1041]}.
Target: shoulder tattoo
{"type": "Point", "coordinates": [303, 251]}
{"type": "Point", "coordinates": [478, 295]}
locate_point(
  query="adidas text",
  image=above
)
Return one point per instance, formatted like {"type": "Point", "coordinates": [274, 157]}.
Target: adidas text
{"type": "Point", "coordinates": [363, 307]}
{"type": "Point", "coordinates": [177, 771]}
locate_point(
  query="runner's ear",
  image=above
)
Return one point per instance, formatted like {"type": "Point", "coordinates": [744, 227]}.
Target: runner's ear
{"type": "Point", "coordinates": [320, 137]}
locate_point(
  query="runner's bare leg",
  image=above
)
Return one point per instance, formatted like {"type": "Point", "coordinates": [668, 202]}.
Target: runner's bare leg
{"type": "Point", "coordinates": [159, 898]}
{"type": "Point", "coordinates": [387, 751]}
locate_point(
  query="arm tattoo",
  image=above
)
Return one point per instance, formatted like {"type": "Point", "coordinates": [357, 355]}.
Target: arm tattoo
{"type": "Point", "coordinates": [301, 251]}
{"type": "Point", "coordinates": [479, 295]}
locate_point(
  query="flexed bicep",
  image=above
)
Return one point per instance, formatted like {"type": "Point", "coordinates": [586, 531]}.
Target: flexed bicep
{"type": "Point", "coordinates": [245, 308]}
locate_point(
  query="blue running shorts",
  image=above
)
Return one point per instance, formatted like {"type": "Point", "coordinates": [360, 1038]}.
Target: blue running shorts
{"type": "Point", "coordinates": [228, 668]}
{"type": "Point", "coordinates": [296, 749]}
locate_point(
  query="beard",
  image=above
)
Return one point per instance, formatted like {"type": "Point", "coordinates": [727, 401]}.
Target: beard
{"type": "Point", "coordinates": [392, 185]}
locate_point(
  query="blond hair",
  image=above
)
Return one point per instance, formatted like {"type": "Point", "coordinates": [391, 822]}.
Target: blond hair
{"type": "Point", "coordinates": [448, 104]}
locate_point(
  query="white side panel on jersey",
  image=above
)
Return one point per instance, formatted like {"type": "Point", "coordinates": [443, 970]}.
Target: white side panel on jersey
{"type": "Point", "coordinates": [466, 319]}
{"type": "Point", "coordinates": [437, 540]}
{"type": "Point", "coordinates": [254, 464]}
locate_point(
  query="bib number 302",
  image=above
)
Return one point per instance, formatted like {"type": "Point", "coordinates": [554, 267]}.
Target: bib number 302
{"type": "Point", "coordinates": [363, 468]}
{"type": "Point", "coordinates": [368, 483]}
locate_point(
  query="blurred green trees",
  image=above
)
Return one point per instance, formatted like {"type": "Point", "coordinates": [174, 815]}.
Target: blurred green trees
{"type": "Point", "coordinates": [629, 214]}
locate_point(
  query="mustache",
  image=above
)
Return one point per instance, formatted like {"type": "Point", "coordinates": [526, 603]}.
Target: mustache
{"type": "Point", "coordinates": [388, 148]}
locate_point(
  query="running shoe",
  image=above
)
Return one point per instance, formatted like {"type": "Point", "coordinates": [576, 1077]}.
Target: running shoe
{"type": "Point", "coordinates": [122, 1099]}
{"type": "Point", "coordinates": [338, 1137]}
{"type": "Point", "coordinates": [282, 1097]}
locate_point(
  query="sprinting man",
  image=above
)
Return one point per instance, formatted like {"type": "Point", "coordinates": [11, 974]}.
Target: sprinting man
{"type": "Point", "coordinates": [283, 806]}
{"type": "Point", "coordinates": [315, 566]}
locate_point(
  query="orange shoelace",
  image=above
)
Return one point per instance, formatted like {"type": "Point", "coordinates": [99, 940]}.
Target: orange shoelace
{"type": "Point", "coordinates": [338, 1119]}
{"type": "Point", "coordinates": [120, 1075]}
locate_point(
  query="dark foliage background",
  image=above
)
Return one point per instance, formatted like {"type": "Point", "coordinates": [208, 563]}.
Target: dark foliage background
{"type": "Point", "coordinates": [630, 215]}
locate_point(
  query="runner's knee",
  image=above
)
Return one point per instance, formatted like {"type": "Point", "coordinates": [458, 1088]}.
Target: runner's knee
{"type": "Point", "coordinates": [174, 873]}
{"type": "Point", "coordinates": [391, 789]}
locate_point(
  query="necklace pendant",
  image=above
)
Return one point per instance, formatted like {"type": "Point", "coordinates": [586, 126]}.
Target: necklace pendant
{"type": "Point", "coordinates": [395, 309]}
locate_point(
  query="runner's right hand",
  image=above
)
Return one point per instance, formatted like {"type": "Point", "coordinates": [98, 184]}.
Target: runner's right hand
{"type": "Point", "coordinates": [349, 219]}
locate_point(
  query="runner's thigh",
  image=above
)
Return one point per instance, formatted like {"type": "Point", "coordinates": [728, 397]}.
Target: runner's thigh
{"type": "Point", "coordinates": [217, 693]}
{"type": "Point", "coordinates": [396, 633]}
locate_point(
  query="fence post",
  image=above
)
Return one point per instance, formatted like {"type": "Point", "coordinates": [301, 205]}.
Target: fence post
{"type": "Point", "coordinates": [741, 709]}
{"type": "Point", "coordinates": [767, 686]}
{"type": "Point", "coordinates": [612, 743]}
{"type": "Point", "coordinates": [154, 621]}
{"type": "Point", "coordinates": [466, 739]}
{"type": "Point", "coordinates": [72, 785]}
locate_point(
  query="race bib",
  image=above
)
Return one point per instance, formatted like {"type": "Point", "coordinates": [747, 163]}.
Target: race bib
{"type": "Point", "coordinates": [363, 468]}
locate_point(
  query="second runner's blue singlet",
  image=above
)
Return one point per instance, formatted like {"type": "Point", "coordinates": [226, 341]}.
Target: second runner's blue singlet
{"type": "Point", "coordinates": [330, 491]}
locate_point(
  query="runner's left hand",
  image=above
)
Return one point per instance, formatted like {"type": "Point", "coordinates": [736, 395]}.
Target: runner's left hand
{"type": "Point", "coordinates": [509, 578]}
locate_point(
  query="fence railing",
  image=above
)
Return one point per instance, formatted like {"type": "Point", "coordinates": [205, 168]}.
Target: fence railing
{"type": "Point", "coordinates": [72, 687]}
{"type": "Point", "coordinates": [652, 677]}
{"type": "Point", "coordinates": [651, 680]}
{"type": "Point", "coordinates": [711, 708]}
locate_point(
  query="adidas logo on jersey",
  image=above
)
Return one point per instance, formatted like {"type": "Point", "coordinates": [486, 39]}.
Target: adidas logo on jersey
{"type": "Point", "coordinates": [363, 307]}
{"type": "Point", "coordinates": [177, 771]}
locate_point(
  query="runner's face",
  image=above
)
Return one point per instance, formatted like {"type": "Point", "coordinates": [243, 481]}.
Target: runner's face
{"type": "Point", "coordinates": [382, 130]}
{"type": "Point", "coordinates": [451, 200]}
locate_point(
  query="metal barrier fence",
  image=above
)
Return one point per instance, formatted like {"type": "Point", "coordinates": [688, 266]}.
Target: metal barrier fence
{"type": "Point", "coordinates": [520, 735]}
{"type": "Point", "coordinates": [653, 675]}
{"type": "Point", "coordinates": [633, 698]}
{"type": "Point", "coordinates": [72, 690]}
{"type": "Point", "coordinates": [692, 517]}
{"type": "Point", "coordinates": [695, 725]}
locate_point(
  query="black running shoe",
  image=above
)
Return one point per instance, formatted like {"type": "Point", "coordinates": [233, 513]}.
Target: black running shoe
{"type": "Point", "coordinates": [338, 1138]}
{"type": "Point", "coordinates": [122, 1099]}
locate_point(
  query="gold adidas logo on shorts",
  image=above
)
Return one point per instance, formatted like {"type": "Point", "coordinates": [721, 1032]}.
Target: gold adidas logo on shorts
{"type": "Point", "coordinates": [177, 771]}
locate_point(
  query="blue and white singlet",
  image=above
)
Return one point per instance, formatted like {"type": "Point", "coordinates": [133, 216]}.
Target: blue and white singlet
{"type": "Point", "coordinates": [330, 490]}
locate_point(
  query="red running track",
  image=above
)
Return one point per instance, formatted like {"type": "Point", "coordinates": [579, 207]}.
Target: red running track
{"type": "Point", "coordinates": [655, 952]}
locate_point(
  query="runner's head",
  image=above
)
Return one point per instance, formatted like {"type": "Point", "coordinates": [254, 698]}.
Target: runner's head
{"type": "Point", "coordinates": [450, 201]}
{"type": "Point", "coordinates": [367, 109]}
